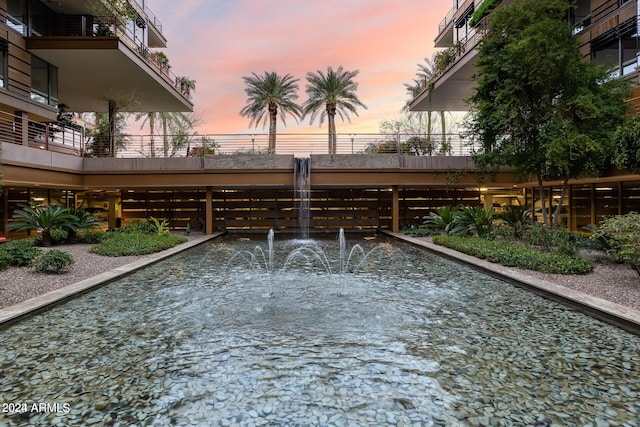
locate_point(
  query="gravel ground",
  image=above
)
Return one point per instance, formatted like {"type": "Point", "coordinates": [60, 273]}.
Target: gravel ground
{"type": "Point", "coordinates": [610, 281]}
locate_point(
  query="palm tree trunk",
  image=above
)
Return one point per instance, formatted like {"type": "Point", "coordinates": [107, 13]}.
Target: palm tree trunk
{"type": "Point", "coordinates": [165, 137]}
{"type": "Point", "coordinates": [273, 114]}
{"type": "Point", "coordinates": [152, 125]}
{"type": "Point", "coordinates": [113, 128]}
{"type": "Point", "coordinates": [444, 127]}
{"type": "Point", "coordinates": [331, 115]}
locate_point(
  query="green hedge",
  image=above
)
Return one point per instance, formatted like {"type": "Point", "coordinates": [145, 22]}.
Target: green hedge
{"type": "Point", "coordinates": [135, 243]}
{"type": "Point", "coordinates": [18, 253]}
{"type": "Point", "coordinates": [511, 254]}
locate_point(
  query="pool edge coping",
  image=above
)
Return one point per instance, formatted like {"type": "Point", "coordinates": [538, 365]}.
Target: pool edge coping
{"type": "Point", "coordinates": [610, 312]}
{"type": "Point", "coordinates": [22, 309]}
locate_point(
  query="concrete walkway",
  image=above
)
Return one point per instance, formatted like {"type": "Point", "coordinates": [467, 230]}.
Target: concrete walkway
{"type": "Point", "coordinates": [607, 311]}
{"type": "Point", "coordinates": [17, 311]}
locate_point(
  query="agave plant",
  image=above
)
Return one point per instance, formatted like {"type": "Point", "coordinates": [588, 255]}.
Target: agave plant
{"type": "Point", "coordinates": [44, 219]}
{"type": "Point", "coordinates": [473, 220]}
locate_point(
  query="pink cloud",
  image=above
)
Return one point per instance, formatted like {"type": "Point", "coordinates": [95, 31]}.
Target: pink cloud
{"type": "Point", "coordinates": [217, 43]}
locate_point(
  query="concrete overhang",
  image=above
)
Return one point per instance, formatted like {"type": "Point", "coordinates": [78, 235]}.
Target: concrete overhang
{"type": "Point", "coordinates": [452, 89]}
{"type": "Point", "coordinates": [12, 102]}
{"type": "Point", "coordinates": [93, 70]}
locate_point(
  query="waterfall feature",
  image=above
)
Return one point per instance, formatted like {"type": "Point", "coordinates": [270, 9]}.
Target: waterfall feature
{"type": "Point", "coordinates": [302, 186]}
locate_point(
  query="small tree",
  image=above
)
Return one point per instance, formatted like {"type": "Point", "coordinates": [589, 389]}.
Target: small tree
{"type": "Point", "coordinates": [99, 141]}
{"type": "Point", "coordinates": [622, 234]}
{"type": "Point", "coordinates": [627, 145]}
{"type": "Point", "coordinates": [538, 106]}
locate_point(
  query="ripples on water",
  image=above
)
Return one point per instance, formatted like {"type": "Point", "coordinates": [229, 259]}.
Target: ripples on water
{"type": "Point", "coordinates": [410, 337]}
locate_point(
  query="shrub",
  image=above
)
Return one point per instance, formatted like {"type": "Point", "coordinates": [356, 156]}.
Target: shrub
{"type": "Point", "coordinates": [517, 217]}
{"type": "Point", "coordinates": [144, 226]}
{"type": "Point", "coordinates": [622, 234]}
{"type": "Point", "coordinates": [46, 220]}
{"type": "Point", "coordinates": [442, 219]}
{"type": "Point", "coordinates": [5, 260]}
{"type": "Point", "coordinates": [53, 261]}
{"type": "Point", "coordinates": [511, 254]}
{"type": "Point", "coordinates": [90, 237]}
{"type": "Point", "coordinates": [20, 253]}
{"type": "Point", "coordinates": [472, 220]}
{"type": "Point", "coordinates": [159, 226]}
{"type": "Point", "coordinates": [559, 240]}
{"type": "Point", "coordinates": [135, 243]}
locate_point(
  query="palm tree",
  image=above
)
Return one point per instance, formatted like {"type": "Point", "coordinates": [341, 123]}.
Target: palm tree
{"type": "Point", "coordinates": [151, 118]}
{"type": "Point", "coordinates": [267, 94]}
{"type": "Point", "coordinates": [331, 93]}
{"type": "Point", "coordinates": [427, 73]}
{"type": "Point", "coordinates": [45, 219]}
{"type": "Point", "coordinates": [186, 86]}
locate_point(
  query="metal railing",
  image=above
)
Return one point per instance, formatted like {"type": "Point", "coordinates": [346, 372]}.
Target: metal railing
{"type": "Point", "coordinates": [447, 20]}
{"type": "Point", "coordinates": [71, 139]}
{"type": "Point", "coordinates": [45, 136]}
{"type": "Point", "coordinates": [297, 144]}
{"type": "Point", "coordinates": [94, 26]}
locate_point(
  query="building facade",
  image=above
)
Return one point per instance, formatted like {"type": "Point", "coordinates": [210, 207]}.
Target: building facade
{"type": "Point", "coordinates": [607, 31]}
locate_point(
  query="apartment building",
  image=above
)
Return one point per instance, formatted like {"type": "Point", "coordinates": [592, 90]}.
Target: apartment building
{"type": "Point", "coordinates": [86, 55]}
{"type": "Point", "coordinates": [607, 31]}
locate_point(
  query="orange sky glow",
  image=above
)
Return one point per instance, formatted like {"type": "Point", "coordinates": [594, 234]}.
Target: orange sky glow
{"type": "Point", "coordinates": [218, 42]}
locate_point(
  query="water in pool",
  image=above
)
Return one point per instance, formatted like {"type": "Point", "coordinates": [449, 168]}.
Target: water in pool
{"type": "Point", "coordinates": [238, 332]}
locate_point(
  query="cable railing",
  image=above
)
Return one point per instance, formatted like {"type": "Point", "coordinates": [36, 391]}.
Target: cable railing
{"type": "Point", "coordinates": [70, 138]}
{"type": "Point", "coordinates": [447, 20]}
{"type": "Point", "coordinates": [296, 144]}
{"type": "Point", "coordinates": [56, 137]}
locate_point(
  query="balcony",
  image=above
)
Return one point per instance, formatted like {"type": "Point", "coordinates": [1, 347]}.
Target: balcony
{"type": "Point", "coordinates": [99, 59]}
{"type": "Point", "coordinates": [454, 84]}
{"type": "Point", "coordinates": [445, 30]}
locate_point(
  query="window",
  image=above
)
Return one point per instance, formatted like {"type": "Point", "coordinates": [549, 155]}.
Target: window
{"type": "Point", "coordinates": [44, 81]}
{"type": "Point", "coordinates": [617, 49]}
{"type": "Point", "coordinates": [4, 49]}
{"type": "Point", "coordinates": [28, 17]}
{"type": "Point", "coordinates": [17, 16]}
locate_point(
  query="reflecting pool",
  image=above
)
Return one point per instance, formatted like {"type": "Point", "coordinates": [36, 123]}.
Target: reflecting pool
{"type": "Point", "coordinates": [239, 332]}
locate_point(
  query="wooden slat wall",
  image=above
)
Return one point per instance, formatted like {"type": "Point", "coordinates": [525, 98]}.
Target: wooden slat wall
{"type": "Point", "coordinates": [178, 207]}
{"type": "Point", "coordinates": [19, 63]}
{"type": "Point", "coordinates": [601, 8]}
{"type": "Point", "coordinates": [257, 209]}
{"type": "Point", "coordinates": [416, 203]}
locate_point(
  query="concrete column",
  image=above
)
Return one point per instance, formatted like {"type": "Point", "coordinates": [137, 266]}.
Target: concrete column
{"type": "Point", "coordinates": [209, 212]}
{"type": "Point", "coordinates": [395, 210]}
{"type": "Point", "coordinates": [114, 211]}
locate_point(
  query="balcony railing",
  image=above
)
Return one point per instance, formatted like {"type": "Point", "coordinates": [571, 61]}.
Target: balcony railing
{"type": "Point", "coordinates": [447, 20]}
{"type": "Point", "coordinates": [95, 26]}
{"type": "Point", "coordinates": [73, 140]}
{"type": "Point", "coordinates": [44, 136]}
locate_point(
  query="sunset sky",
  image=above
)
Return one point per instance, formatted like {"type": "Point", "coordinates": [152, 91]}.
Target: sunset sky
{"type": "Point", "coordinates": [217, 42]}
